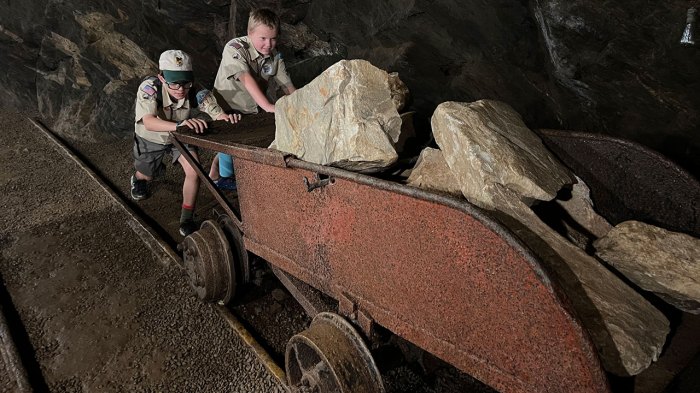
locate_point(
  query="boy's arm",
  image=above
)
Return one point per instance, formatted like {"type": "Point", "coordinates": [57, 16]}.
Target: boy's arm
{"type": "Point", "coordinates": [282, 76]}
{"type": "Point", "coordinates": [207, 103]}
{"type": "Point", "coordinates": [253, 89]}
{"type": "Point", "coordinates": [155, 123]}
{"type": "Point", "coordinates": [289, 89]}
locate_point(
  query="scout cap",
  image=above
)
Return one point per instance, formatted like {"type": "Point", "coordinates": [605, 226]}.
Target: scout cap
{"type": "Point", "coordinates": [176, 66]}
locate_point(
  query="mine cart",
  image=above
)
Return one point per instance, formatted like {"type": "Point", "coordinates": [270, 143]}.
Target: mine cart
{"type": "Point", "coordinates": [432, 269]}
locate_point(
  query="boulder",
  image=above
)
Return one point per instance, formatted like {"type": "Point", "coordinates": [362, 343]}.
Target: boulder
{"type": "Point", "coordinates": [580, 208]}
{"type": "Point", "coordinates": [432, 173]}
{"type": "Point", "coordinates": [664, 262]}
{"type": "Point", "coordinates": [486, 143]}
{"type": "Point", "coordinates": [399, 91]}
{"type": "Point", "coordinates": [346, 117]}
{"type": "Point", "coordinates": [498, 163]}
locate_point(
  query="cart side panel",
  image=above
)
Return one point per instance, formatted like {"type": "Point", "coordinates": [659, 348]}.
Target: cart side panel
{"type": "Point", "coordinates": [430, 273]}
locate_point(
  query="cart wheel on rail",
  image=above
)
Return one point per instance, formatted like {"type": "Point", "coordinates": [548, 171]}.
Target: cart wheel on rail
{"type": "Point", "coordinates": [210, 263]}
{"type": "Point", "coordinates": [235, 240]}
{"type": "Point", "coordinates": [330, 356]}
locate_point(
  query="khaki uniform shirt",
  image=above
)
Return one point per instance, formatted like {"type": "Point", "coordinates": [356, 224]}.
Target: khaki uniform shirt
{"type": "Point", "coordinates": [240, 56]}
{"type": "Point", "coordinates": [148, 101]}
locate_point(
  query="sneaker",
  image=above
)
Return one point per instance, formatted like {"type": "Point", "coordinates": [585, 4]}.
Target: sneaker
{"type": "Point", "coordinates": [226, 183]}
{"type": "Point", "coordinates": [187, 227]}
{"type": "Point", "coordinates": [139, 188]}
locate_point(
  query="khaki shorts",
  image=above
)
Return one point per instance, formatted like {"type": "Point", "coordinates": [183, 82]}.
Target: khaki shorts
{"type": "Point", "coordinates": [148, 156]}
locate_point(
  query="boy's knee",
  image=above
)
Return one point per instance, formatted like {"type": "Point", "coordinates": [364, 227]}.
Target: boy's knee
{"type": "Point", "coordinates": [187, 168]}
{"type": "Point", "coordinates": [189, 171]}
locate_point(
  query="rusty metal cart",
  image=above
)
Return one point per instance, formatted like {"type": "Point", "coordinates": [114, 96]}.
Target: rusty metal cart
{"type": "Point", "coordinates": [432, 269]}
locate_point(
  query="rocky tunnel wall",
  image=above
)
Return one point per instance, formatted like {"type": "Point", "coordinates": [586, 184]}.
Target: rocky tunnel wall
{"type": "Point", "coordinates": [606, 67]}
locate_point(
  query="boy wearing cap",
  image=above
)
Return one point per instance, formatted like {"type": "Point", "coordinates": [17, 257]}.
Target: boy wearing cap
{"type": "Point", "coordinates": [163, 103]}
{"type": "Point", "coordinates": [247, 64]}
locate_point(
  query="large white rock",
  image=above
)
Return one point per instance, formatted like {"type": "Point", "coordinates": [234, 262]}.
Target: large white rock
{"type": "Point", "coordinates": [580, 208]}
{"type": "Point", "coordinates": [346, 117]}
{"type": "Point", "coordinates": [399, 91]}
{"type": "Point", "coordinates": [432, 173]}
{"type": "Point", "coordinates": [664, 262]}
{"type": "Point", "coordinates": [500, 164]}
{"type": "Point", "coordinates": [486, 143]}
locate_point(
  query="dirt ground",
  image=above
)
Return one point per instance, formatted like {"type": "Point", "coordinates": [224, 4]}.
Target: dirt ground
{"type": "Point", "coordinates": [91, 309]}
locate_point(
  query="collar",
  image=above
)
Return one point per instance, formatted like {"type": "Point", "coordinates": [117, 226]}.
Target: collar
{"type": "Point", "coordinates": [254, 54]}
{"type": "Point", "coordinates": [168, 101]}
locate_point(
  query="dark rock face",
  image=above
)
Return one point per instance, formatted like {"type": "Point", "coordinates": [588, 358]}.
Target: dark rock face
{"type": "Point", "coordinates": [625, 72]}
{"type": "Point", "coordinates": [615, 68]}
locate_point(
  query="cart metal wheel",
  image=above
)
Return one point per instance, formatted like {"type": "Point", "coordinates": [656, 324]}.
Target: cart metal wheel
{"type": "Point", "coordinates": [209, 263]}
{"type": "Point", "coordinates": [238, 250]}
{"type": "Point", "coordinates": [330, 357]}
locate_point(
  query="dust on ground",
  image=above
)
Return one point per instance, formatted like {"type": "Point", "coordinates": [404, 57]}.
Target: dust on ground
{"type": "Point", "coordinates": [90, 307]}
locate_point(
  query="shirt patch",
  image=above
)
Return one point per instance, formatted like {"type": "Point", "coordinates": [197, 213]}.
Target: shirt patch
{"type": "Point", "coordinates": [149, 90]}
{"type": "Point", "coordinates": [236, 45]}
{"type": "Point", "coordinates": [267, 69]}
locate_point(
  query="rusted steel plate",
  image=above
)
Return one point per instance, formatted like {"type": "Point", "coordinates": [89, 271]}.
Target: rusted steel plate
{"type": "Point", "coordinates": [629, 181]}
{"type": "Point", "coordinates": [248, 139]}
{"type": "Point", "coordinates": [310, 299]}
{"type": "Point", "coordinates": [441, 274]}
{"type": "Point", "coordinates": [252, 130]}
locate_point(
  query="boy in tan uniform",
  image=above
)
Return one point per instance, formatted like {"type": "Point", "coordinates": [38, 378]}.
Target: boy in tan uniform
{"type": "Point", "coordinates": [163, 103]}
{"type": "Point", "coordinates": [247, 64]}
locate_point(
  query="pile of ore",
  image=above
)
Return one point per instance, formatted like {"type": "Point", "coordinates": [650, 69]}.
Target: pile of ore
{"type": "Point", "coordinates": [490, 157]}
{"type": "Point", "coordinates": [348, 117]}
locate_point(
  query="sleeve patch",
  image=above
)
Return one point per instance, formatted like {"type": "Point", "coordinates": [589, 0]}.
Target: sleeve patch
{"type": "Point", "coordinates": [202, 95]}
{"type": "Point", "coordinates": [149, 90]}
{"type": "Point", "coordinates": [236, 45]}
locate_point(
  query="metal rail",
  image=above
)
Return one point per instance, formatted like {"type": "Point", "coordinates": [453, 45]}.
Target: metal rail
{"type": "Point", "coordinates": [11, 358]}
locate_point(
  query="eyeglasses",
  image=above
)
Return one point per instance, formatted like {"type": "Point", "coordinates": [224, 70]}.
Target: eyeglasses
{"type": "Point", "coordinates": [181, 84]}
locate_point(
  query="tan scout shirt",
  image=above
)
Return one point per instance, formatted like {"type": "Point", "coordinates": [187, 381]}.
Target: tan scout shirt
{"type": "Point", "coordinates": [147, 102]}
{"type": "Point", "coordinates": [240, 56]}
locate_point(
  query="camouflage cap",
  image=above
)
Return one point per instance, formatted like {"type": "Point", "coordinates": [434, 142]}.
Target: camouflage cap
{"type": "Point", "coordinates": [176, 66]}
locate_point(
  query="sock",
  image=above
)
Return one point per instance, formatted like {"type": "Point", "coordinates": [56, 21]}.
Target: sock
{"type": "Point", "coordinates": [186, 213]}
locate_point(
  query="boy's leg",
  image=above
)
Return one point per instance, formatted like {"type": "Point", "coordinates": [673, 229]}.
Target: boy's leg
{"type": "Point", "coordinates": [141, 176]}
{"type": "Point", "coordinates": [226, 181]}
{"type": "Point", "coordinates": [148, 162]}
{"type": "Point", "coordinates": [225, 165]}
{"type": "Point", "coordinates": [191, 185]}
{"type": "Point", "coordinates": [214, 170]}
{"type": "Point", "coordinates": [190, 188]}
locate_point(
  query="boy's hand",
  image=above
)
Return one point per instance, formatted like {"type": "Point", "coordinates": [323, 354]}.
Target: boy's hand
{"type": "Point", "coordinates": [233, 118]}
{"type": "Point", "coordinates": [196, 125]}
{"type": "Point", "coordinates": [269, 108]}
